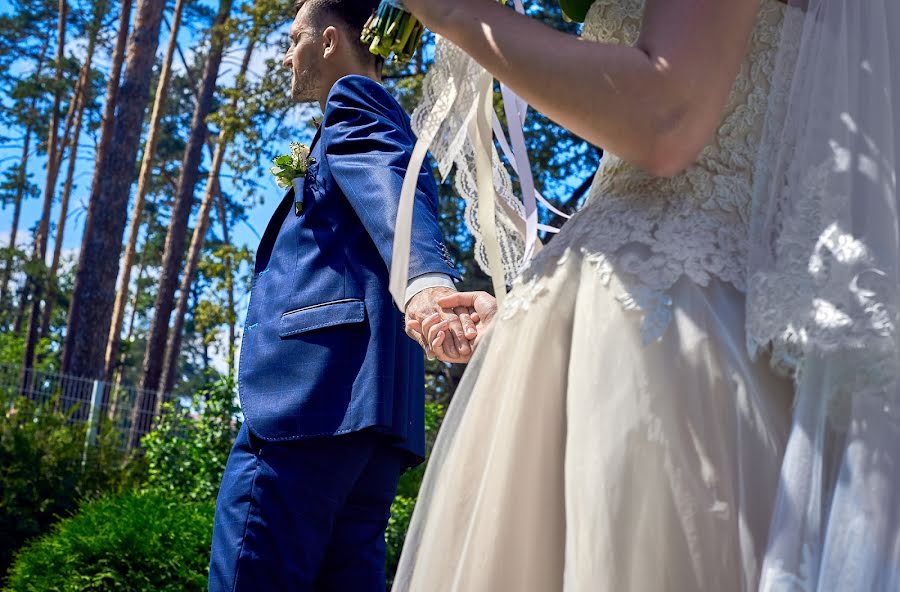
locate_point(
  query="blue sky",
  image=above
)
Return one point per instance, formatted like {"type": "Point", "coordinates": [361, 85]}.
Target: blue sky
{"type": "Point", "coordinates": [244, 234]}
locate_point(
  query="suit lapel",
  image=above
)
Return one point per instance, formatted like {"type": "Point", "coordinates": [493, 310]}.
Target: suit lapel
{"type": "Point", "coordinates": [274, 226]}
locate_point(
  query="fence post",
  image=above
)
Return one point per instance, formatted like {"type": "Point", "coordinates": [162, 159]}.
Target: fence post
{"type": "Point", "coordinates": [90, 438]}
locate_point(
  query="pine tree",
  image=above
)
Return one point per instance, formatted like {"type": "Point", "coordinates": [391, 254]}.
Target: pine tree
{"type": "Point", "coordinates": [53, 161]}
{"type": "Point", "coordinates": [90, 313]}
{"type": "Point", "coordinates": [226, 135]}
{"type": "Point", "coordinates": [112, 348]}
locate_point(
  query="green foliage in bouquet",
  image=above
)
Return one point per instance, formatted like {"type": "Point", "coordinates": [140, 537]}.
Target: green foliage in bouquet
{"type": "Point", "coordinates": [391, 29]}
{"type": "Point", "coordinates": [139, 542]}
{"type": "Point", "coordinates": [186, 453]}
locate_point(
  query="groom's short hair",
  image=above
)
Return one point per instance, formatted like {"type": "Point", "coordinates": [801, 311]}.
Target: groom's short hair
{"type": "Point", "coordinates": [351, 14]}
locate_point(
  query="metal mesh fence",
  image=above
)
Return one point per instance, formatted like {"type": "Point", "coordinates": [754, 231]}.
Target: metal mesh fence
{"type": "Point", "coordinates": [128, 410]}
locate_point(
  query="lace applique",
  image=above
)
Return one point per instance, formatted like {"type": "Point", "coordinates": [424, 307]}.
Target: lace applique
{"type": "Point", "coordinates": [785, 315]}
{"type": "Point", "coordinates": [652, 230]}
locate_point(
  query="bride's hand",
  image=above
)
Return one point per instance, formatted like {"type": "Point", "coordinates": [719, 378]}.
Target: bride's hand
{"type": "Point", "coordinates": [482, 308]}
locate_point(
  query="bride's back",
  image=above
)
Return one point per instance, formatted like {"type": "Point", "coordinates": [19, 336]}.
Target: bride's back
{"type": "Point", "coordinates": [694, 224]}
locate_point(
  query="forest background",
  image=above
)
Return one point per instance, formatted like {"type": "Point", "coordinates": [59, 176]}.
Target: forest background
{"type": "Point", "coordinates": [135, 141]}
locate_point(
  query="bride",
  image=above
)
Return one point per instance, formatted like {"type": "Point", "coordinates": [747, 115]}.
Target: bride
{"type": "Point", "coordinates": [693, 386]}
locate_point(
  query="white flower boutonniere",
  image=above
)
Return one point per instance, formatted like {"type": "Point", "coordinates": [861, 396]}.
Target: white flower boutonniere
{"type": "Point", "coordinates": [291, 166]}
{"type": "Point", "coordinates": [290, 171]}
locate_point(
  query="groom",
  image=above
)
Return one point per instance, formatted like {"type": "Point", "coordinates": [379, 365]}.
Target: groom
{"type": "Point", "coordinates": [332, 389]}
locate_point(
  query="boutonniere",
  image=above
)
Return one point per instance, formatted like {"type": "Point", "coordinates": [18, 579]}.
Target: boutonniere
{"type": "Point", "coordinates": [290, 171]}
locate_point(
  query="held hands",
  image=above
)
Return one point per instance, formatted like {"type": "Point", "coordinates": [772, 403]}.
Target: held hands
{"type": "Point", "coordinates": [450, 325]}
{"type": "Point", "coordinates": [424, 311]}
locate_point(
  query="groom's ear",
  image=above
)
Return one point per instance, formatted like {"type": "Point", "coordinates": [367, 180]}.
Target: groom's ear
{"type": "Point", "coordinates": [331, 40]}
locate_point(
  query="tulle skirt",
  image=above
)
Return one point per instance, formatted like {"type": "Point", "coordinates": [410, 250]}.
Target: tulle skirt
{"type": "Point", "coordinates": [574, 457]}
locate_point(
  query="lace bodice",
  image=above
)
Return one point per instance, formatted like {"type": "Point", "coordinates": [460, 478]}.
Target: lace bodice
{"type": "Point", "coordinates": [652, 231]}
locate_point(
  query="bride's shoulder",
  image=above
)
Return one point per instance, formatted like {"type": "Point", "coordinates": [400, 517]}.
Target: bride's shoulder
{"type": "Point", "coordinates": [619, 21]}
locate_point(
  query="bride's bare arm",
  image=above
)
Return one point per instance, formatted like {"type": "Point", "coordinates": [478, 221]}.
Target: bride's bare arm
{"type": "Point", "coordinates": [655, 104]}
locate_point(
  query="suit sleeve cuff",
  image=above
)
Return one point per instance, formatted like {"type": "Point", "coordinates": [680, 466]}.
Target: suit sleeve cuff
{"type": "Point", "coordinates": [425, 281]}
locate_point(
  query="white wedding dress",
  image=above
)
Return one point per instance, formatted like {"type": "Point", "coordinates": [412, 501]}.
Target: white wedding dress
{"type": "Point", "coordinates": [614, 434]}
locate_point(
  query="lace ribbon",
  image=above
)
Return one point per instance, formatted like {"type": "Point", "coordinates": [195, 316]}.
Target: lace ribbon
{"type": "Point", "coordinates": [457, 93]}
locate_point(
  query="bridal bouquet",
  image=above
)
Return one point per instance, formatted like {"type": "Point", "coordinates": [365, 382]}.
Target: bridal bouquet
{"type": "Point", "coordinates": [391, 29]}
{"type": "Point", "coordinates": [291, 166]}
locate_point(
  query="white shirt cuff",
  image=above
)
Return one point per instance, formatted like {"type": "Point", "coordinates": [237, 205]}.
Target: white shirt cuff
{"type": "Point", "coordinates": [425, 281]}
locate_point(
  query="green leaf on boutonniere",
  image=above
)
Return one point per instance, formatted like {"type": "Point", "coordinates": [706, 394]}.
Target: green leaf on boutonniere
{"type": "Point", "coordinates": [291, 166]}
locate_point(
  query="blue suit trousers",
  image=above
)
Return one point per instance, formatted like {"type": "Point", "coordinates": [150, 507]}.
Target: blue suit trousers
{"type": "Point", "coordinates": [305, 515]}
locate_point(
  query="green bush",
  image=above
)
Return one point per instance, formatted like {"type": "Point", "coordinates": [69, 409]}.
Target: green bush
{"type": "Point", "coordinates": [137, 542]}
{"type": "Point", "coordinates": [187, 452]}
{"type": "Point", "coordinates": [398, 524]}
{"type": "Point", "coordinates": [41, 470]}
{"type": "Point", "coordinates": [407, 492]}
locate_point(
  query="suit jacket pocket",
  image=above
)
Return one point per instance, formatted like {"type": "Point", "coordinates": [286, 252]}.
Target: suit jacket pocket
{"type": "Point", "coordinates": [320, 316]}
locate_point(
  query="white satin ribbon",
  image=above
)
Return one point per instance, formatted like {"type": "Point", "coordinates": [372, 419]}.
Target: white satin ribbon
{"type": "Point", "coordinates": [507, 151]}
{"type": "Point", "coordinates": [480, 130]}
{"type": "Point", "coordinates": [403, 228]}
{"type": "Point", "coordinates": [523, 168]}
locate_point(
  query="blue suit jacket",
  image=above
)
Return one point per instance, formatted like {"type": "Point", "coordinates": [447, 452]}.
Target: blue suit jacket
{"type": "Point", "coordinates": [324, 349]}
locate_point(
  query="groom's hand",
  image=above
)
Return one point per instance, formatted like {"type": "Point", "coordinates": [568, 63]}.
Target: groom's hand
{"type": "Point", "coordinates": [424, 312]}
{"type": "Point", "coordinates": [482, 308]}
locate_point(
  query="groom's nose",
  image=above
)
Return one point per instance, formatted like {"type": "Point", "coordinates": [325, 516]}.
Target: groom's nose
{"type": "Point", "coordinates": [287, 62]}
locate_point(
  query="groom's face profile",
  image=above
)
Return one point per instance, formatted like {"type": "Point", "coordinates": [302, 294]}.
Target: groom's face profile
{"type": "Point", "coordinates": [304, 56]}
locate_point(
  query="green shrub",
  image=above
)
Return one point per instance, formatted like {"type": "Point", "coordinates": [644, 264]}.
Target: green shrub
{"type": "Point", "coordinates": [407, 492]}
{"type": "Point", "coordinates": [398, 524]}
{"type": "Point", "coordinates": [187, 452]}
{"type": "Point", "coordinates": [133, 543]}
{"type": "Point", "coordinates": [41, 470]}
{"type": "Point", "coordinates": [411, 480]}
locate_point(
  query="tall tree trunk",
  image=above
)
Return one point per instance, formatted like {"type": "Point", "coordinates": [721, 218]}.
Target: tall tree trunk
{"type": "Point", "coordinates": [181, 210]}
{"type": "Point", "coordinates": [63, 215]}
{"type": "Point", "coordinates": [17, 214]}
{"type": "Point", "coordinates": [90, 314]}
{"type": "Point", "coordinates": [107, 131]}
{"type": "Point", "coordinates": [118, 369]}
{"type": "Point", "coordinates": [77, 107]}
{"type": "Point", "coordinates": [20, 182]}
{"type": "Point", "coordinates": [229, 282]}
{"type": "Point", "coordinates": [21, 309]}
{"type": "Point", "coordinates": [159, 103]}
{"type": "Point", "coordinates": [53, 161]}
{"type": "Point", "coordinates": [173, 345]}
